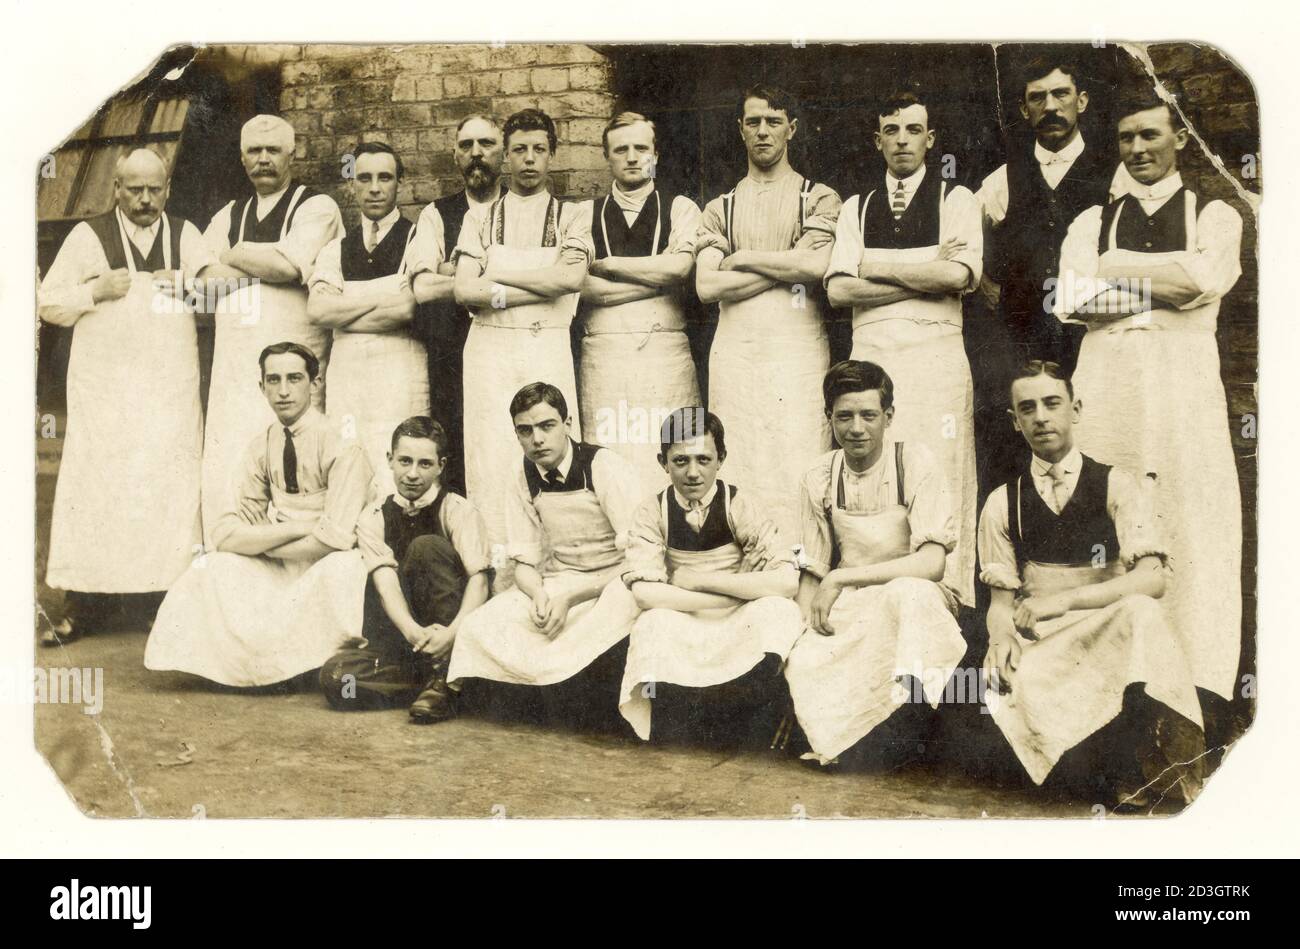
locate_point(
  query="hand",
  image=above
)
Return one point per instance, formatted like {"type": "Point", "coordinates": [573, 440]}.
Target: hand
{"type": "Point", "coordinates": [1000, 662]}
{"type": "Point", "coordinates": [170, 282]}
{"type": "Point", "coordinates": [754, 558]}
{"type": "Point", "coordinates": [557, 611]}
{"type": "Point", "coordinates": [541, 607]}
{"type": "Point", "coordinates": [951, 249]}
{"type": "Point", "coordinates": [436, 641]}
{"type": "Point", "coordinates": [447, 268]}
{"type": "Point", "coordinates": [112, 285]}
{"type": "Point", "coordinates": [820, 613]}
{"type": "Point", "coordinates": [599, 268]}
{"type": "Point", "coordinates": [1034, 609]}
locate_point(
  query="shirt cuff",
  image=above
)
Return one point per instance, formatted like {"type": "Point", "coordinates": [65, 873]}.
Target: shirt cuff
{"type": "Point", "coordinates": [1000, 576]}
{"type": "Point", "coordinates": [530, 554]}
{"type": "Point", "coordinates": [645, 574]}
{"type": "Point", "coordinates": [331, 535]}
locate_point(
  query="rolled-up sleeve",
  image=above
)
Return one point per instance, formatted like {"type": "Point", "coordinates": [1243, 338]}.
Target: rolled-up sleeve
{"type": "Point", "coordinates": [345, 498]}
{"type": "Point", "coordinates": [647, 548]}
{"type": "Point", "coordinates": [684, 219]}
{"type": "Point", "coordinates": [758, 536]}
{"type": "Point", "coordinates": [1215, 265]}
{"type": "Point", "coordinates": [472, 242]}
{"type": "Point", "coordinates": [525, 536]}
{"type": "Point", "coordinates": [427, 249]}
{"type": "Point", "coordinates": [961, 219]}
{"type": "Point", "coordinates": [930, 516]}
{"type": "Point", "coordinates": [712, 232]}
{"type": "Point", "coordinates": [814, 524]}
{"type": "Point", "coordinates": [576, 242]}
{"type": "Point", "coordinates": [1080, 264]}
{"type": "Point", "coordinates": [846, 257]}
{"type": "Point", "coordinates": [375, 552]}
{"type": "Point", "coordinates": [65, 295]}
{"type": "Point", "coordinates": [464, 526]}
{"type": "Point", "coordinates": [821, 214]}
{"type": "Point", "coordinates": [316, 222]}
{"type": "Point", "coordinates": [997, 555]}
{"type": "Point", "coordinates": [217, 234]}
{"type": "Point", "coordinates": [1129, 503]}
{"type": "Point", "coordinates": [993, 195]}
{"type": "Point", "coordinates": [327, 274]}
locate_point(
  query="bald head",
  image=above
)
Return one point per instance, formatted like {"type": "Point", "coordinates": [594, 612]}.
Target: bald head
{"type": "Point", "coordinates": [266, 149]}
{"type": "Point", "coordinates": [140, 186]}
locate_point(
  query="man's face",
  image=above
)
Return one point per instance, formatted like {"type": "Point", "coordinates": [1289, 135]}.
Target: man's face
{"type": "Point", "coordinates": [528, 156]}
{"type": "Point", "coordinates": [287, 387]}
{"type": "Point", "coordinates": [479, 154]}
{"type": "Point", "coordinates": [1041, 411]}
{"type": "Point", "coordinates": [141, 193]}
{"type": "Point", "coordinates": [1149, 144]}
{"type": "Point", "coordinates": [693, 466]}
{"type": "Point", "coordinates": [542, 434]}
{"type": "Point", "coordinates": [1052, 107]}
{"type": "Point", "coordinates": [904, 138]}
{"type": "Point", "coordinates": [415, 465]}
{"type": "Point", "coordinates": [859, 424]}
{"type": "Point", "coordinates": [631, 154]}
{"type": "Point", "coordinates": [766, 132]}
{"type": "Point", "coordinates": [375, 184]}
{"type": "Point", "coordinates": [266, 157]}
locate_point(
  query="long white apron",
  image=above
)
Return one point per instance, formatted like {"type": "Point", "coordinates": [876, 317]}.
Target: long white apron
{"type": "Point", "coordinates": [247, 621]}
{"type": "Point", "coordinates": [919, 343]}
{"type": "Point", "coordinates": [126, 505]}
{"type": "Point", "coordinates": [766, 366]}
{"type": "Point", "coordinates": [846, 684]}
{"type": "Point", "coordinates": [505, 350]}
{"type": "Point", "coordinates": [248, 321]}
{"type": "Point", "coordinates": [1071, 681]}
{"type": "Point", "coordinates": [707, 647]}
{"type": "Point", "coordinates": [499, 641]}
{"type": "Point", "coordinates": [636, 369]}
{"type": "Point", "coordinates": [1153, 401]}
{"type": "Point", "coordinates": [376, 381]}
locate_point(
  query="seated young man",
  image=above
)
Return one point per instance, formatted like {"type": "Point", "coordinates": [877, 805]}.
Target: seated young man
{"type": "Point", "coordinates": [284, 590]}
{"type": "Point", "coordinates": [567, 520]}
{"type": "Point", "coordinates": [710, 570]}
{"type": "Point", "coordinates": [427, 554]}
{"type": "Point", "coordinates": [878, 526]}
{"type": "Point", "coordinates": [1070, 552]}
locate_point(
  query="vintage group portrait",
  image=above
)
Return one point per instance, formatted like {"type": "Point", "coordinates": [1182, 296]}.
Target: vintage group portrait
{"type": "Point", "coordinates": [631, 430]}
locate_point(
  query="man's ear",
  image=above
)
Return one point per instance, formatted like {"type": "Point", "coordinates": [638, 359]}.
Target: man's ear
{"type": "Point", "coordinates": [929, 140]}
{"type": "Point", "coordinates": [1076, 409]}
{"type": "Point", "coordinates": [875, 137]}
{"type": "Point", "coordinates": [1015, 422]}
{"type": "Point", "coordinates": [1024, 110]}
{"type": "Point", "coordinates": [794, 127]}
{"type": "Point", "coordinates": [1082, 99]}
{"type": "Point", "coordinates": [1180, 138]}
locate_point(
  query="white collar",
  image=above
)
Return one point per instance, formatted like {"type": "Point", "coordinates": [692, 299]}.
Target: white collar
{"type": "Point", "coordinates": [268, 201]}
{"type": "Point", "coordinates": [632, 200]}
{"type": "Point", "coordinates": [1066, 155]}
{"type": "Point", "coordinates": [1156, 192]}
{"type": "Point", "coordinates": [424, 500]}
{"type": "Point", "coordinates": [305, 421]}
{"type": "Point", "coordinates": [876, 468]}
{"type": "Point", "coordinates": [910, 183]}
{"type": "Point", "coordinates": [133, 230]}
{"type": "Point", "coordinates": [705, 502]}
{"type": "Point", "coordinates": [1071, 463]}
{"type": "Point", "coordinates": [543, 196]}
{"type": "Point", "coordinates": [386, 222]}
{"type": "Point", "coordinates": [563, 467]}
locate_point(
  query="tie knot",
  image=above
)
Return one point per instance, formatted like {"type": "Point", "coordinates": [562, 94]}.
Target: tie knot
{"type": "Point", "coordinates": [1056, 473]}
{"type": "Point", "coordinates": [553, 477]}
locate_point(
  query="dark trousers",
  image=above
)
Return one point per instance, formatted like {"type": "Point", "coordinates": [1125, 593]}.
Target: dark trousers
{"type": "Point", "coordinates": [447, 395]}
{"type": "Point", "coordinates": [386, 672]}
{"type": "Point", "coordinates": [105, 611]}
{"type": "Point", "coordinates": [743, 713]}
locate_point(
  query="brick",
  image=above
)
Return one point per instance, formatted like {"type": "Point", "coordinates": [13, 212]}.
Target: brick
{"type": "Point", "coordinates": [375, 135]}
{"type": "Point", "coordinates": [549, 80]}
{"type": "Point", "coordinates": [582, 157]}
{"type": "Point", "coordinates": [589, 77]}
{"type": "Point", "coordinates": [405, 192]}
{"type": "Point", "coordinates": [587, 184]}
{"type": "Point", "coordinates": [1180, 59]}
{"type": "Point", "coordinates": [457, 87]}
{"type": "Point", "coordinates": [291, 99]}
{"type": "Point", "coordinates": [404, 142]}
{"type": "Point", "coordinates": [407, 115]}
{"type": "Point", "coordinates": [304, 123]}
{"type": "Point", "coordinates": [514, 82]}
{"type": "Point", "coordinates": [586, 131]}
{"type": "Point", "coordinates": [329, 51]}
{"type": "Point", "coordinates": [437, 139]}
{"type": "Point", "coordinates": [1222, 120]}
{"type": "Point", "coordinates": [1219, 88]}
{"type": "Point", "coordinates": [412, 59]}
{"type": "Point", "coordinates": [346, 70]}
{"type": "Point", "coordinates": [451, 112]}
{"type": "Point", "coordinates": [357, 94]}
{"type": "Point", "coordinates": [486, 84]}
{"type": "Point", "coordinates": [296, 74]}
{"type": "Point", "coordinates": [568, 53]}
{"type": "Point", "coordinates": [344, 121]}
{"type": "Point", "coordinates": [426, 190]}
{"type": "Point", "coordinates": [463, 57]}
{"type": "Point", "coordinates": [404, 89]}
{"type": "Point", "coordinates": [319, 147]}
{"type": "Point", "coordinates": [505, 106]}
{"type": "Point", "coordinates": [428, 88]}
{"type": "Point", "coordinates": [589, 104]}
{"type": "Point", "coordinates": [320, 97]}
{"type": "Point", "coordinates": [514, 55]}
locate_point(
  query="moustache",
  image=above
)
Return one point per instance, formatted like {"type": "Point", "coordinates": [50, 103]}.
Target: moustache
{"type": "Point", "coordinates": [1051, 121]}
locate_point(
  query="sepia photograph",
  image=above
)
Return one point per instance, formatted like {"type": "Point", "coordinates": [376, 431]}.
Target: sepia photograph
{"type": "Point", "coordinates": [633, 430]}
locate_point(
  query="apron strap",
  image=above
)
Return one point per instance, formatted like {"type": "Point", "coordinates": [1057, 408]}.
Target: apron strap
{"type": "Point", "coordinates": [726, 509]}
{"type": "Point", "coordinates": [1189, 211]}
{"type": "Point", "coordinates": [298, 197]}
{"type": "Point", "coordinates": [551, 231]}
{"type": "Point", "coordinates": [497, 222]}
{"type": "Point", "coordinates": [604, 229]}
{"type": "Point", "coordinates": [243, 218]}
{"type": "Point", "coordinates": [663, 512]}
{"type": "Point", "coordinates": [805, 190]}
{"type": "Point", "coordinates": [836, 484]}
{"type": "Point", "coordinates": [1014, 529]}
{"type": "Point", "coordinates": [862, 226]}
{"type": "Point", "coordinates": [410, 236]}
{"type": "Point", "coordinates": [898, 473]}
{"type": "Point", "coordinates": [728, 217]}
{"type": "Point", "coordinates": [659, 220]}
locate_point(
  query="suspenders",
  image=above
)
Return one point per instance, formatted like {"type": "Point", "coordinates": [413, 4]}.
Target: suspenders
{"type": "Point", "coordinates": [729, 210]}
{"type": "Point", "coordinates": [298, 194]}
{"type": "Point", "coordinates": [659, 220]}
{"type": "Point", "coordinates": [549, 233]}
{"type": "Point", "coordinates": [837, 479]}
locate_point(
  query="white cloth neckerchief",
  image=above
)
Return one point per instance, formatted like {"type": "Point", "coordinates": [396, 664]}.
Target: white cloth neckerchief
{"type": "Point", "coordinates": [697, 512]}
{"type": "Point", "coordinates": [424, 500]}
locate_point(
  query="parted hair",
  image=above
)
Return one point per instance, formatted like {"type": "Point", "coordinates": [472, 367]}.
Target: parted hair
{"type": "Point", "coordinates": [379, 148]}
{"type": "Point", "coordinates": [530, 120]}
{"type": "Point", "coordinates": [623, 120]}
{"type": "Point", "coordinates": [1040, 67]}
{"type": "Point", "coordinates": [691, 422]}
{"type": "Point", "coordinates": [535, 393]}
{"type": "Point", "coordinates": [279, 349]}
{"type": "Point", "coordinates": [900, 99]}
{"type": "Point", "coordinates": [856, 375]}
{"type": "Point", "coordinates": [775, 97]}
{"type": "Point", "coordinates": [421, 426]}
{"type": "Point", "coordinates": [1033, 368]}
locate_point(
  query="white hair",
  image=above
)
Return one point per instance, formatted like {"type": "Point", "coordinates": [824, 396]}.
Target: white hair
{"type": "Point", "coordinates": [267, 123]}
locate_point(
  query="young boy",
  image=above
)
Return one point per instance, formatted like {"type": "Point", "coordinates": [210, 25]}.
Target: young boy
{"type": "Point", "coordinates": [427, 555]}
{"type": "Point", "coordinates": [708, 567]}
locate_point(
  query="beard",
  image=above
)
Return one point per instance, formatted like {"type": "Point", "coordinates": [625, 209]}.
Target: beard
{"type": "Point", "coordinates": [478, 175]}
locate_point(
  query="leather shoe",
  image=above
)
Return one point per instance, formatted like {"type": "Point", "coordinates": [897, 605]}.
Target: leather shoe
{"type": "Point", "coordinates": [59, 635]}
{"type": "Point", "coordinates": [436, 701]}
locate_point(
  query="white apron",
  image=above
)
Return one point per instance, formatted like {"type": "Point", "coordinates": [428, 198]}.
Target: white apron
{"type": "Point", "coordinates": [845, 685]}
{"type": "Point", "coordinates": [126, 505]}
{"type": "Point", "coordinates": [376, 381]}
{"type": "Point", "coordinates": [247, 621]}
{"type": "Point", "coordinates": [636, 369]}
{"type": "Point", "coordinates": [1153, 401]}
{"type": "Point", "coordinates": [246, 323]}
{"type": "Point", "coordinates": [708, 647]}
{"type": "Point", "coordinates": [919, 343]}
{"type": "Point", "coordinates": [498, 641]}
{"type": "Point", "coordinates": [1071, 681]}
{"type": "Point", "coordinates": [505, 350]}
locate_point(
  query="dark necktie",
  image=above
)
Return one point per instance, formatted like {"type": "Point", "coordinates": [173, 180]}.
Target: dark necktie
{"type": "Point", "coordinates": [554, 481]}
{"type": "Point", "coordinates": [290, 463]}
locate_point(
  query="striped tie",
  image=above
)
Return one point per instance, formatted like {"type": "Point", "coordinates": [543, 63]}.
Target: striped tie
{"type": "Point", "coordinates": [900, 205]}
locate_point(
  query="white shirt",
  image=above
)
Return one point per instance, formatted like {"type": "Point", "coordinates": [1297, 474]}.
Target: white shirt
{"type": "Point", "coordinates": [266, 202]}
{"type": "Point", "coordinates": [327, 271]}
{"type": "Point", "coordinates": [385, 225]}
{"type": "Point", "coordinates": [910, 185]}
{"type": "Point", "coordinates": [1041, 471]}
{"type": "Point", "coordinates": [141, 237]}
{"type": "Point", "coordinates": [683, 216]}
{"type": "Point", "coordinates": [525, 225]}
{"type": "Point", "coordinates": [994, 194]}
{"type": "Point", "coordinates": [687, 504]}
{"type": "Point", "coordinates": [316, 222]}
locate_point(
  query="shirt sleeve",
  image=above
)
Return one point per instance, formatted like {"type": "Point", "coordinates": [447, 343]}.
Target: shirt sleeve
{"type": "Point", "coordinates": [65, 293]}
{"type": "Point", "coordinates": [427, 249]}
{"type": "Point", "coordinates": [815, 527]}
{"type": "Point", "coordinates": [349, 489]}
{"type": "Point", "coordinates": [327, 274]}
{"type": "Point", "coordinates": [316, 222]}
{"type": "Point", "coordinates": [712, 232]}
{"type": "Point", "coordinates": [464, 526]}
{"type": "Point", "coordinates": [525, 536]}
{"type": "Point", "coordinates": [576, 243]}
{"type": "Point", "coordinates": [249, 496]}
{"type": "Point", "coordinates": [996, 553]}
{"type": "Point", "coordinates": [472, 242]}
{"type": "Point", "coordinates": [1080, 263]}
{"type": "Point", "coordinates": [375, 552]}
{"type": "Point", "coordinates": [1128, 501]}
{"type": "Point", "coordinates": [217, 234]}
{"type": "Point", "coordinates": [1215, 265]}
{"type": "Point", "coordinates": [614, 478]}
{"type": "Point", "coordinates": [756, 534]}
{"type": "Point", "coordinates": [994, 195]}
{"type": "Point", "coordinates": [822, 213]}
{"type": "Point", "coordinates": [930, 516]}
{"type": "Point", "coordinates": [684, 217]}
{"type": "Point", "coordinates": [195, 252]}
{"type": "Point", "coordinates": [961, 219]}
{"type": "Point", "coordinates": [846, 256]}
{"type": "Point", "coordinates": [647, 548]}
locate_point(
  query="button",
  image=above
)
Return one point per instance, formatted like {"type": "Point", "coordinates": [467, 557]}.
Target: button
{"type": "Point", "coordinates": [1150, 223]}
{"type": "Point", "coordinates": [896, 230]}
{"type": "Point", "coordinates": [1148, 244]}
{"type": "Point", "coordinates": [1051, 224]}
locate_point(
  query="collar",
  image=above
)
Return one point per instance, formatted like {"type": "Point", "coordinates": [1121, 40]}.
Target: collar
{"type": "Point", "coordinates": [134, 230]}
{"type": "Point", "coordinates": [705, 502]}
{"type": "Point", "coordinates": [910, 183]}
{"type": "Point", "coordinates": [469, 198]}
{"type": "Point", "coordinates": [541, 197]}
{"type": "Point", "coordinates": [423, 501]}
{"type": "Point", "coordinates": [563, 467]}
{"type": "Point", "coordinates": [307, 420]}
{"type": "Point", "coordinates": [269, 201]}
{"type": "Point", "coordinates": [1070, 464]}
{"type": "Point", "coordinates": [385, 223]}
{"type": "Point", "coordinates": [877, 468]}
{"type": "Point", "coordinates": [1160, 190]}
{"type": "Point", "coordinates": [632, 200]}
{"type": "Point", "coordinates": [1066, 155]}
